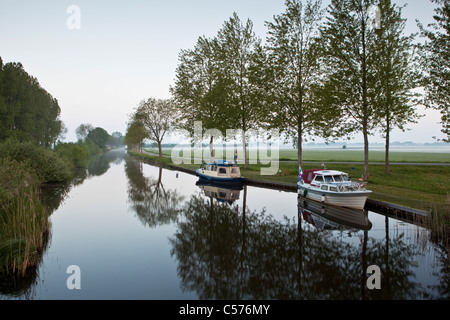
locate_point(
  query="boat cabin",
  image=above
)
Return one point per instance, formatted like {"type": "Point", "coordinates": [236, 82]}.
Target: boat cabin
{"type": "Point", "coordinates": [314, 176]}
{"type": "Point", "coordinates": [221, 194]}
{"type": "Point", "coordinates": [222, 168]}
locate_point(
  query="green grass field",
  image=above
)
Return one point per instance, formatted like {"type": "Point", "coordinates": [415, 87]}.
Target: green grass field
{"type": "Point", "coordinates": [358, 156]}
{"type": "Point", "coordinates": [346, 155]}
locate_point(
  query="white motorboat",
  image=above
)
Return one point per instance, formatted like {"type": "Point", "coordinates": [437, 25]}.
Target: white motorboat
{"type": "Point", "coordinates": [332, 187]}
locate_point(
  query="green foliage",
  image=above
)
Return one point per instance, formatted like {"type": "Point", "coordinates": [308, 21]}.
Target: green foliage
{"type": "Point", "coordinates": [99, 137]}
{"type": "Point", "coordinates": [116, 139]}
{"type": "Point", "coordinates": [295, 56]}
{"type": "Point", "coordinates": [23, 219]}
{"type": "Point", "coordinates": [218, 82]}
{"type": "Point", "coordinates": [435, 64]}
{"type": "Point", "coordinates": [26, 109]}
{"type": "Point", "coordinates": [83, 130]}
{"type": "Point", "coordinates": [90, 147]}
{"type": "Point", "coordinates": [14, 177]}
{"type": "Point", "coordinates": [74, 153]}
{"type": "Point", "coordinates": [135, 134]}
{"type": "Point", "coordinates": [369, 75]}
{"type": "Point", "coordinates": [200, 90]}
{"type": "Point", "coordinates": [43, 162]}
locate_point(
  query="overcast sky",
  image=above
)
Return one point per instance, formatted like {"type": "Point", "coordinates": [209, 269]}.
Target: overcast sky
{"type": "Point", "coordinates": [126, 51]}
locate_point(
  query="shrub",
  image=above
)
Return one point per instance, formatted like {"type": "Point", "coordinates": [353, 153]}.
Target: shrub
{"type": "Point", "coordinates": [45, 163]}
{"type": "Point", "coordinates": [75, 153]}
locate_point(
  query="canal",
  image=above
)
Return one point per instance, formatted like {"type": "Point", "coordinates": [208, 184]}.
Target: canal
{"type": "Point", "coordinates": [130, 230]}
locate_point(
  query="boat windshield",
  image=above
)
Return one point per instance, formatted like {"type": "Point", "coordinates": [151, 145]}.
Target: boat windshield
{"type": "Point", "coordinates": [336, 178]}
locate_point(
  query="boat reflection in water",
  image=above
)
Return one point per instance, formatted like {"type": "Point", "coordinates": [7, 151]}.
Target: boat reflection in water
{"type": "Point", "coordinates": [221, 192]}
{"type": "Point", "coordinates": [329, 217]}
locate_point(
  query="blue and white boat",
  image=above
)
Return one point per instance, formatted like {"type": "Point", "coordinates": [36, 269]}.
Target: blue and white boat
{"type": "Point", "coordinates": [221, 171]}
{"type": "Point", "coordinates": [224, 193]}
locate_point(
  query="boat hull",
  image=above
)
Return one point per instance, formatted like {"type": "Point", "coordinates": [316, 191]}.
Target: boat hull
{"type": "Point", "coordinates": [224, 180]}
{"type": "Point", "coordinates": [353, 199]}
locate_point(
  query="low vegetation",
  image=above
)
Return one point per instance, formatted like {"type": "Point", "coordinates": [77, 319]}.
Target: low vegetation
{"type": "Point", "coordinates": [24, 168]}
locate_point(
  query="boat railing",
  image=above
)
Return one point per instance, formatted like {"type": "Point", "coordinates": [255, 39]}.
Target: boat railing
{"type": "Point", "coordinates": [349, 186]}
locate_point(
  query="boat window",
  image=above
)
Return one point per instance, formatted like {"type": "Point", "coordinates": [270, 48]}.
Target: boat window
{"type": "Point", "coordinates": [328, 179]}
{"type": "Point", "coordinates": [324, 187]}
{"type": "Point", "coordinates": [222, 170]}
{"type": "Point", "coordinates": [337, 178]}
{"type": "Point", "coordinates": [333, 189]}
{"type": "Point", "coordinates": [234, 170]}
{"type": "Point", "coordinates": [214, 168]}
{"type": "Point", "coordinates": [318, 178]}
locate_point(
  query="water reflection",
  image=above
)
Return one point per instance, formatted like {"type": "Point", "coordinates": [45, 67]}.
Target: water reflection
{"type": "Point", "coordinates": [223, 255]}
{"type": "Point", "coordinates": [224, 244]}
{"type": "Point", "coordinates": [153, 203]}
{"type": "Point", "coordinates": [329, 217]}
{"type": "Point", "coordinates": [218, 192]}
{"type": "Point", "coordinates": [52, 196]}
{"type": "Point", "coordinates": [224, 251]}
{"type": "Point", "coordinates": [100, 164]}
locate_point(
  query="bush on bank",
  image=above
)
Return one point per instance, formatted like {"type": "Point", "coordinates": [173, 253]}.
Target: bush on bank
{"type": "Point", "coordinates": [45, 163]}
{"type": "Point", "coordinates": [24, 223]}
{"type": "Point", "coordinates": [74, 153]}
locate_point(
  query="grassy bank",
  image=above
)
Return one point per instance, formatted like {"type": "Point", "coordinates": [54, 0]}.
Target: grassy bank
{"type": "Point", "coordinates": [417, 186]}
{"type": "Point", "coordinates": [423, 187]}
{"type": "Point", "coordinates": [24, 225]}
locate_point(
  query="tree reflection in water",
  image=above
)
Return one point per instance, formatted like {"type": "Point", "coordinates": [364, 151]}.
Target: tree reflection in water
{"type": "Point", "coordinates": [153, 203]}
{"type": "Point", "coordinates": [251, 255]}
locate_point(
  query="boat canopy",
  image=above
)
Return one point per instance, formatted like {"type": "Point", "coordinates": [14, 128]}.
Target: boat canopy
{"type": "Point", "coordinates": [309, 174]}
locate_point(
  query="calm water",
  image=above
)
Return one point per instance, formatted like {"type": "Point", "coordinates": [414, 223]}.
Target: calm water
{"type": "Point", "coordinates": [140, 232]}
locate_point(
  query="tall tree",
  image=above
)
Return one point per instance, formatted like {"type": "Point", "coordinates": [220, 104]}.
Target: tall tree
{"type": "Point", "coordinates": [351, 54]}
{"type": "Point", "coordinates": [116, 139]}
{"type": "Point", "coordinates": [435, 63]}
{"type": "Point", "coordinates": [239, 52]}
{"type": "Point", "coordinates": [295, 59]}
{"type": "Point", "coordinates": [27, 111]}
{"type": "Point", "coordinates": [199, 90]}
{"type": "Point", "coordinates": [83, 130]}
{"type": "Point", "coordinates": [158, 118]}
{"type": "Point", "coordinates": [395, 73]}
{"type": "Point", "coordinates": [99, 137]}
{"type": "Point", "coordinates": [136, 134]}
